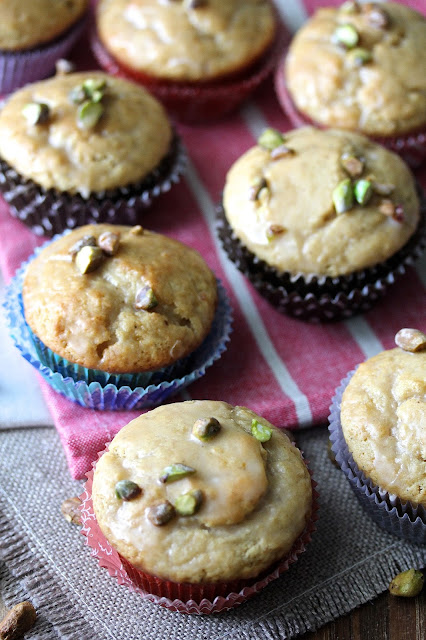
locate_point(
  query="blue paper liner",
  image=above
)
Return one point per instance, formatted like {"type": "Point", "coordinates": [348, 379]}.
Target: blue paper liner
{"type": "Point", "coordinates": [403, 519]}
{"type": "Point", "coordinates": [95, 390]}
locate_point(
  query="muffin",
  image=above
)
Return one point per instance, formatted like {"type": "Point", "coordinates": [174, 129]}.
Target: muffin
{"type": "Point", "coordinates": [378, 431]}
{"type": "Point", "coordinates": [199, 498]}
{"type": "Point", "coordinates": [200, 58]}
{"type": "Point", "coordinates": [360, 67]}
{"type": "Point", "coordinates": [120, 307]}
{"type": "Point", "coordinates": [320, 221]}
{"type": "Point", "coordinates": [84, 147]}
{"type": "Point", "coordinates": [33, 35]}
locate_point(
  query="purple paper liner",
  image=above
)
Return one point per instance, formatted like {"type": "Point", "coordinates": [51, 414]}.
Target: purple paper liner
{"type": "Point", "coordinates": [403, 519]}
{"type": "Point", "coordinates": [22, 67]}
{"type": "Point", "coordinates": [96, 391]}
{"type": "Point", "coordinates": [48, 212]}
{"type": "Point", "coordinates": [315, 298]}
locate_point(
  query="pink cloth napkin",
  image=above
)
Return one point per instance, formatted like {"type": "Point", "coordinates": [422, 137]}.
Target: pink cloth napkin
{"type": "Point", "coordinates": [284, 369]}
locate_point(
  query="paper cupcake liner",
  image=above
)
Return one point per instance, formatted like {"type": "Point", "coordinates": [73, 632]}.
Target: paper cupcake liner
{"type": "Point", "coordinates": [197, 103]}
{"type": "Point", "coordinates": [411, 146]}
{"type": "Point", "coordinates": [48, 212]}
{"type": "Point", "coordinates": [22, 67]}
{"type": "Point", "coordinates": [400, 518]}
{"type": "Point", "coordinates": [184, 597]}
{"type": "Point", "coordinates": [97, 390]}
{"type": "Point", "coordinates": [321, 298]}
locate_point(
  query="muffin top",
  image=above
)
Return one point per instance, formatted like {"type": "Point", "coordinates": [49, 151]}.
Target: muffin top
{"type": "Point", "coordinates": [361, 67]}
{"type": "Point", "coordinates": [140, 303]}
{"type": "Point", "coordinates": [292, 201]}
{"type": "Point", "coordinates": [25, 24]}
{"type": "Point", "coordinates": [252, 498]}
{"type": "Point", "coordinates": [94, 133]}
{"type": "Point", "coordinates": [186, 41]}
{"type": "Point", "coordinates": [383, 416]}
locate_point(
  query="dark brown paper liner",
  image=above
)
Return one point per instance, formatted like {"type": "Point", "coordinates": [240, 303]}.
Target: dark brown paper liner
{"type": "Point", "coordinates": [48, 212]}
{"type": "Point", "coordinates": [185, 597]}
{"type": "Point", "coordinates": [403, 519]}
{"type": "Point", "coordinates": [321, 298]}
{"type": "Point", "coordinates": [411, 146]}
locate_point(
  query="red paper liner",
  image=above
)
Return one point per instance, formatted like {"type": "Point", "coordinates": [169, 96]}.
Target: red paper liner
{"type": "Point", "coordinates": [49, 212]}
{"type": "Point", "coordinates": [184, 597]}
{"type": "Point", "coordinates": [321, 298]}
{"type": "Point", "coordinates": [410, 146]}
{"type": "Point", "coordinates": [198, 103]}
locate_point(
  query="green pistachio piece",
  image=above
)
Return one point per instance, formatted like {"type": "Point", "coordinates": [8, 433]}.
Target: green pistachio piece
{"type": "Point", "coordinates": [346, 35]}
{"type": "Point", "coordinates": [383, 189]}
{"type": "Point", "coordinates": [206, 428]}
{"type": "Point", "coordinates": [260, 431]}
{"type": "Point", "coordinates": [363, 191]}
{"type": "Point", "coordinates": [359, 56]}
{"type": "Point", "coordinates": [109, 242]}
{"type": "Point", "coordinates": [127, 490]}
{"type": "Point", "coordinates": [92, 85]}
{"type": "Point", "coordinates": [256, 187]}
{"type": "Point", "coordinates": [270, 139]}
{"type": "Point", "coordinates": [89, 114]}
{"type": "Point", "coordinates": [411, 340]}
{"type": "Point", "coordinates": [407, 584]}
{"type": "Point", "coordinates": [36, 113]}
{"type": "Point", "coordinates": [88, 259]}
{"type": "Point", "coordinates": [160, 514]}
{"type": "Point", "coordinates": [282, 151]}
{"type": "Point", "coordinates": [352, 165]}
{"type": "Point", "coordinates": [85, 241]}
{"type": "Point", "coordinates": [145, 298]}
{"type": "Point", "coordinates": [77, 95]}
{"type": "Point", "coordinates": [175, 472]}
{"type": "Point", "coordinates": [188, 503]}
{"type": "Point", "coordinates": [274, 230]}
{"type": "Point", "coordinates": [343, 197]}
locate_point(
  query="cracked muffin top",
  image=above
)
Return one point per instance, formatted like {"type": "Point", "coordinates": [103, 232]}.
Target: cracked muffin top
{"type": "Point", "coordinates": [119, 299]}
{"type": "Point", "coordinates": [194, 508]}
{"type": "Point", "coordinates": [320, 202]}
{"type": "Point", "coordinates": [181, 40]}
{"type": "Point", "coordinates": [25, 24]}
{"type": "Point", "coordinates": [361, 67]}
{"type": "Point", "coordinates": [92, 132]}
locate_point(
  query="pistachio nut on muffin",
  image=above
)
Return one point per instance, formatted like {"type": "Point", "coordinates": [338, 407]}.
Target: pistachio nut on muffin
{"type": "Point", "coordinates": [34, 34]}
{"type": "Point", "coordinates": [84, 147]}
{"type": "Point", "coordinates": [199, 498]}
{"type": "Point", "coordinates": [320, 221]}
{"type": "Point", "coordinates": [360, 67]}
{"type": "Point", "coordinates": [378, 430]}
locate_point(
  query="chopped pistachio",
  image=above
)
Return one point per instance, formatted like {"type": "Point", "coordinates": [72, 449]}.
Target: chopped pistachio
{"type": "Point", "coordinates": [347, 35]}
{"type": "Point", "coordinates": [145, 298]}
{"type": "Point", "coordinates": [407, 584]}
{"type": "Point", "coordinates": [363, 191]}
{"type": "Point", "coordinates": [71, 510]}
{"type": "Point", "coordinates": [36, 112]}
{"type": "Point", "coordinates": [88, 114]}
{"type": "Point", "coordinates": [188, 503]}
{"type": "Point", "coordinates": [161, 514]}
{"type": "Point", "coordinates": [109, 242]}
{"type": "Point", "coordinates": [282, 151]}
{"type": "Point", "coordinates": [387, 207]}
{"type": "Point", "coordinates": [85, 241]}
{"type": "Point", "coordinates": [63, 67]}
{"type": "Point", "coordinates": [410, 340]}
{"type": "Point", "coordinates": [88, 259]}
{"type": "Point", "coordinates": [256, 186]}
{"type": "Point", "coordinates": [176, 471]}
{"type": "Point", "coordinates": [382, 189]}
{"type": "Point", "coordinates": [359, 56]}
{"type": "Point", "coordinates": [77, 95]}
{"type": "Point", "coordinates": [343, 197]}
{"type": "Point", "coordinates": [137, 230]}
{"type": "Point", "coordinates": [349, 7]}
{"type": "Point", "coordinates": [352, 165]}
{"type": "Point", "coordinates": [276, 229]}
{"type": "Point", "coordinates": [93, 85]}
{"type": "Point", "coordinates": [127, 490]}
{"type": "Point", "coordinates": [270, 139]}
{"type": "Point", "coordinates": [260, 431]}
{"type": "Point", "coordinates": [206, 428]}
{"type": "Point", "coordinates": [377, 17]}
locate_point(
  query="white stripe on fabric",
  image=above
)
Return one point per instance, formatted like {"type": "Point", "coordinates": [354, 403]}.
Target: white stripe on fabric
{"type": "Point", "coordinates": [364, 336]}
{"type": "Point", "coordinates": [292, 12]}
{"type": "Point", "coordinates": [251, 314]}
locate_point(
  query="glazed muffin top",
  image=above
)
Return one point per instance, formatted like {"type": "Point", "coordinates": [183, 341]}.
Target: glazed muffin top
{"type": "Point", "coordinates": [94, 133]}
{"type": "Point", "coordinates": [186, 41]}
{"type": "Point", "coordinates": [141, 304]}
{"type": "Point", "coordinates": [375, 83]}
{"type": "Point", "coordinates": [383, 416]}
{"type": "Point", "coordinates": [281, 199]}
{"type": "Point", "coordinates": [25, 24]}
{"type": "Point", "coordinates": [252, 499]}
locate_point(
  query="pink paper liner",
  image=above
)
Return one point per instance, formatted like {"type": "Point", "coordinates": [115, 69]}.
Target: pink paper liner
{"type": "Point", "coordinates": [411, 146]}
{"type": "Point", "coordinates": [403, 519]}
{"type": "Point", "coordinates": [193, 103]}
{"type": "Point", "coordinates": [184, 597]}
